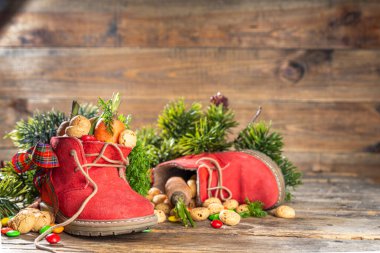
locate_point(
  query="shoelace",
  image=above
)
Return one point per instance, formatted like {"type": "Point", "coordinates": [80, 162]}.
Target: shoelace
{"type": "Point", "coordinates": [121, 165]}
{"type": "Point", "coordinates": [219, 189]}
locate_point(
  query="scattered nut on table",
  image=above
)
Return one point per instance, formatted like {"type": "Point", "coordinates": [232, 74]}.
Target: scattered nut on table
{"type": "Point", "coordinates": [215, 208]}
{"type": "Point", "coordinates": [229, 217]}
{"type": "Point", "coordinates": [210, 201]}
{"type": "Point", "coordinates": [285, 212]}
{"type": "Point", "coordinates": [242, 208]}
{"type": "Point", "coordinates": [199, 213]}
{"type": "Point", "coordinates": [231, 204]}
{"type": "Point", "coordinates": [161, 217]}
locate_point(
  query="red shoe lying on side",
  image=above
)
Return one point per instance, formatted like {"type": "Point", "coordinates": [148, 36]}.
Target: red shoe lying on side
{"type": "Point", "coordinates": [228, 175]}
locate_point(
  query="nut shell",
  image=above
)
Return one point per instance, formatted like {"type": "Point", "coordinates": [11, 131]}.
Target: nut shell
{"type": "Point", "coordinates": [231, 204]}
{"type": "Point", "coordinates": [81, 121]}
{"type": "Point", "coordinates": [215, 208]}
{"type": "Point", "coordinates": [75, 131]}
{"type": "Point", "coordinates": [199, 213]}
{"type": "Point", "coordinates": [62, 128]}
{"type": "Point", "coordinates": [285, 212]}
{"type": "Point", "coordinates": [210, 201]}
{"type": "Point", "coordinates": [154, 191]}
{"type": "Point", "coordinates": [43, 218]}
{"type": "Point", "coordinates": [163, 207]}
{"type": "Point", "coordinates": [161, 217]}
{"type": "Point", "coordinates": [229, 217]}
{"type": "Point", "coordinates": [242, 208]}
{"type": "Point", "coordinates": [23, 222]}
{"type": "Point", "coordinates": [193, 186]}
{"type": "Point", "coordinates": [160, 198]}
{"type": "Point", "coordinates": [128, 138]}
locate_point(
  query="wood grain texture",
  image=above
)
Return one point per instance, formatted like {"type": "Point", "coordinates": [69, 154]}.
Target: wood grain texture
{"type": "Point", "coordinates": [314, 66]}
{"type": "Point", "coordinates": [248, 24]}
{"type": "Point", "coordinates": [334, 213]}
{"type": "Point", "coordinates": [324, 75]}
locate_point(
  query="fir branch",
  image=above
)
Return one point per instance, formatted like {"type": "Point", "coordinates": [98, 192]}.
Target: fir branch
{"type": "Point", "coordinates": [21, 181]}
{"type": "Point", "coordinates": [149, 136]}
{"type": "Point", "coordinates": [206, 138]}
{"type": "Point", "coordinates": [175, 120]}
{"type": "Point", "coordinates": [39, 128]}
{"type": "Point", "coordinates": [7, 207]}
{"type": "Point", "coordinates": [217, 114]}
{"type": "Point", "coordinates": [291, 174]}
{"type": "Point", "coordinates": [16, 190]}
{"type": "Point", "coordinates": [88, 110]}
{"type": "Point", "coordinates": [138, 169]}
{"type": "Point", "coordinates": [258, 137]}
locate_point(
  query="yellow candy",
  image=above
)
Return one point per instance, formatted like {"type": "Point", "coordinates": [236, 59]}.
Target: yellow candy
{"type": "Point", "coordinates": [4, 222]}
{"type": "Point", "coordinates": [57, 230]}
{"type": "Point", "coordinates": [173, 218]}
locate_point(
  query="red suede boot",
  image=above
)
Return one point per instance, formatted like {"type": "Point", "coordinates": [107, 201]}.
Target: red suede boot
{"type": "Point", "coordinates": [228, 175]}
{"type": "Point", "coordinates": [89, 192]}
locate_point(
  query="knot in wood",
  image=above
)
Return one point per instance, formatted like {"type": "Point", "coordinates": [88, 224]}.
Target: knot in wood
{"type": "Point", "coordinates": [292, 71]}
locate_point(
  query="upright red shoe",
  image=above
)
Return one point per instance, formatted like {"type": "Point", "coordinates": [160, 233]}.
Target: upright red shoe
{"type": "Point", "coordinates": [233, 174]}
{"type": "Point", "coordinates": [89, 191]}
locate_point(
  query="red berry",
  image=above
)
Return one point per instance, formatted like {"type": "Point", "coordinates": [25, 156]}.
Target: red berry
{"type": "Point", "coordinates": [88, 138]}
{"type": "Point", "coordinates": [5, 230]}
{"type": "Point", "coordinates": [216, 224]}
{"type": "Point", "coordinates": [53, 238]}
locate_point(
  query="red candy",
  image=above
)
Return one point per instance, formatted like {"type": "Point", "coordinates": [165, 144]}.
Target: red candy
{"type": "Point", "coordinates": [216, 224]}
{"type": "Point", "coordinates": [88, 138]}
{"type": "Point", "coordinates": [5, 230]}
{"type": "Point", "coordinates": [53, 238]}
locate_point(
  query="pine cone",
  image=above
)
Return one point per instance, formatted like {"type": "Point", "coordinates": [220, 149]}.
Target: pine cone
{"type": "Point", "coordinates": [219, 99]}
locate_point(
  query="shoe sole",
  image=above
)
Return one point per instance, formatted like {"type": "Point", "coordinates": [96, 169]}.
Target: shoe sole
{"type": "Point", "coordinates": [104, 227]}
{"type": "Point", "coordinates": [276, 171]}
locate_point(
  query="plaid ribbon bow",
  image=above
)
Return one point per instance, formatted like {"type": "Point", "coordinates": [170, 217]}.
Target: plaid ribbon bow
{"type": "Point", "coordinates": [40, 157]}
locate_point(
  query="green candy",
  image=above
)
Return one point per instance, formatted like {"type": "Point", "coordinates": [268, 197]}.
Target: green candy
{"type": "Point", "coordinates": [44, 228]}
{"type": "Point", "coordinates": [13, 233]}
{"type": "Point", "coordinates": [214, 216]}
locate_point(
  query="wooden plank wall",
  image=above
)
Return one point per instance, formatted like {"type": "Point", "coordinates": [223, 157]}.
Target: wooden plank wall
{"type": "Point", "coordinates": [314, 66]}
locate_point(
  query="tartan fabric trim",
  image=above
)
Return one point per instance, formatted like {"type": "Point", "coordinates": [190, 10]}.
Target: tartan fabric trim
{"type": "Point", "coordinates": [22, 162]}
{"type": "Point", "coordinates": [44, 156]}
{"type": "Point", "coordinates": [40, 156]}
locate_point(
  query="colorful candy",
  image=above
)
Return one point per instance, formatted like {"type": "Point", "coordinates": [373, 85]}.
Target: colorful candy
{"type": "Point", "coordinates": [172, 218]}
{"type": "Point", "coordinates": [57, 230]}
{"type": "Point", "coordinates": [44, 228]}
{"type": "Point", "coordinates": [216, 224]}
{"type": "Point", "coordinates": [5, 230]}
{"type": "Point", "coordinates": [214, 216]}
{"type": "Point", "coordinates": [12, 233]}
{"type": "Point", "coordinates": [4, 221]}
{"type": "Point", "coordinates": [53, 238]}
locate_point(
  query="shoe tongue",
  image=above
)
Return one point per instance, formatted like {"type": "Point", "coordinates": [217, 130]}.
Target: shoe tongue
{"type": "Point", "coordinates": [92, 149]}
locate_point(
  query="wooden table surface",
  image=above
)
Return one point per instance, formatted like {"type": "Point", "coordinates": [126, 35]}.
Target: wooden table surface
{"type": "Point", "coordinates": [335, 213]}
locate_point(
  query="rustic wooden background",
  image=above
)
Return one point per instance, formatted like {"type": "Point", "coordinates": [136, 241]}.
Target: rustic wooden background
{"type": "Point", "coordinates": [314, 66]}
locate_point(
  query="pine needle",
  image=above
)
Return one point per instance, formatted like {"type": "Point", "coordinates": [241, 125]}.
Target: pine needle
{"type": "Point", "coordinates": [39, 128]}
{"type": "Point", "coordinates": [176, 120]}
